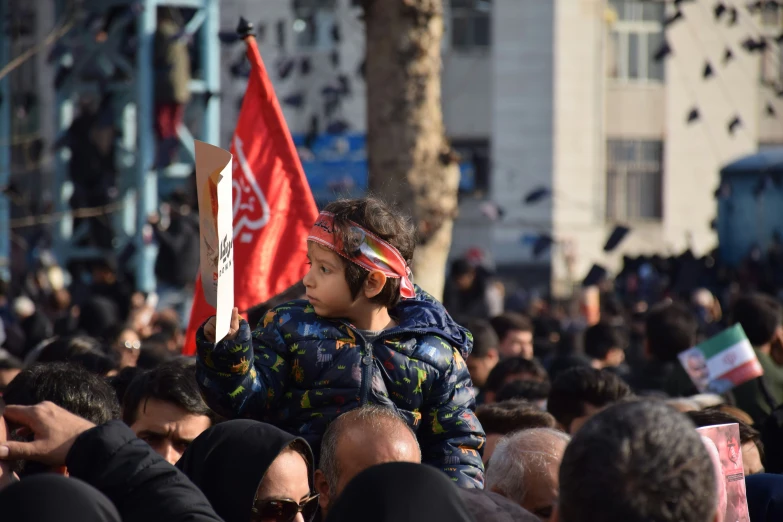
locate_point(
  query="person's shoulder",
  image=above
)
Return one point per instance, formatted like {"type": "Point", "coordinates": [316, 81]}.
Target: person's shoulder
{"type": "Point", "coordinates": [771, 370]}
{"type": "Point", "coordinates": [436, 334]}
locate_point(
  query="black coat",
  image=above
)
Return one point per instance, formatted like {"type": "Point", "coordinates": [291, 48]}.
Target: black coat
{"type": "Point", "coordinates": [67, 500]}
{"type": "Point", "coordinates": [143, 486]}
{"type": "Point", "coordinates": [178, 251]}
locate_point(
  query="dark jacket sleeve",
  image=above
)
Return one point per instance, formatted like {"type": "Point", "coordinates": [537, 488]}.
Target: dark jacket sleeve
{"type": "Point", "coordinates": [451, 437]}
{"type": "Point", "coordinates": [242, 378]}
{"type": "Point", "coordinates": [143, 486]}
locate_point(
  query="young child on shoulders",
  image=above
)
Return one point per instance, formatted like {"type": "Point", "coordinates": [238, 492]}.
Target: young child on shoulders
{"type": "Point", "coordinates": [365, 334]}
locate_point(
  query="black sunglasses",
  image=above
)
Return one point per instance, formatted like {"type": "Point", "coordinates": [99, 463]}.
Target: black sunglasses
{"type": "Point", "coordinates": [285, 510]}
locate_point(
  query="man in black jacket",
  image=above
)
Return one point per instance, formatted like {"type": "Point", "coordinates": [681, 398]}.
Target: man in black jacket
{"type": "Point", "coordinates": [164, 408]}
{"type": "Point", "coordinates": [143, 486]}
{"type": "Point", "coordinates": [68, 386]}
{"type": "Point", "coordinates": [178, 257]}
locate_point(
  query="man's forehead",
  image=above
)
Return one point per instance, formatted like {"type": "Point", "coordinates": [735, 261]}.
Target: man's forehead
{"type": "Point", "coordinates": [163, 411]}
{"type": "Point", "coordinates": [181, 425]}
{"type": "Point", "coordinates": [364, 437]}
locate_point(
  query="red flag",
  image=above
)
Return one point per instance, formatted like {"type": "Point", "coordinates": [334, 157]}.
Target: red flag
{"type": "Point", "coordinates": [273, 206]}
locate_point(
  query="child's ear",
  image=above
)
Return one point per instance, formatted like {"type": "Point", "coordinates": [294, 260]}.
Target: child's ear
{"type": "Point", "coordinates": [374, 283]}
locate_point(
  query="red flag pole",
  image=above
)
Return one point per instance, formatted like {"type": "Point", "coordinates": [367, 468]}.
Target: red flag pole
{"type": "Point", "coordinates": [273, 206]}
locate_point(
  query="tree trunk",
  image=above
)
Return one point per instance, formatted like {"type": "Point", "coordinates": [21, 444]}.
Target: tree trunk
{"type": "Point", "coordinates": [410, 160]}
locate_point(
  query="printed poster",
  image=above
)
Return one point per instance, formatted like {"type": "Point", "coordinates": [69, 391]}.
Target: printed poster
{"type": "Point", "coordinates": [722, 362]}
{"type": "Point", "coordinates": [723, 444]}
{"type": "Point", "coordinates": [216, 228]}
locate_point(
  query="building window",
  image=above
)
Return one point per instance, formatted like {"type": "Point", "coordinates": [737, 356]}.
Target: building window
{"type": "Point", "coordinates": [772, 63]}
{"type": "Point", "coordinates": [635, 37]}
{"type": "Point", "coordinates": [634, 180]}
{"type": "Point", "coordinates": [771, 15]}
{"type": "Point", "coordinates": [470, 24]}
{"type": "Point", "coordinates": [313, 23]}
{"type": "Point", "coordinates": [473, 165]}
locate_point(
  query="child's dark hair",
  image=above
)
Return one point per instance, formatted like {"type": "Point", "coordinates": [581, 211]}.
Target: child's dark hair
{"type": "Point", "coordinates": [383, 221]}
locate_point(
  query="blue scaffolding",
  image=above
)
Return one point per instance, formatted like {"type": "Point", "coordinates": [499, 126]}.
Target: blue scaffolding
{"type": "Point", "coordinates": [5, 148]}
{"type": "Point", "coordinates": [139, 180]}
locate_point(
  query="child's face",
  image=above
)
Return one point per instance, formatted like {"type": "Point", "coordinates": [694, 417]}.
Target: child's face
{"type": "Point", "coordinates": [325, 284]}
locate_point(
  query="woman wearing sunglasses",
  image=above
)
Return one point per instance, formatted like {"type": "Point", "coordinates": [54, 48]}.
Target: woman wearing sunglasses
{"type": "Point", "coordinates": [253, 472]}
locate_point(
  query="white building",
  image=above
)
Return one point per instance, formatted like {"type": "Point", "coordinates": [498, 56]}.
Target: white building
{"type": "Point", "coordinates": [575, 102]}
{"type": "Point", "coordinates": [561, 94]}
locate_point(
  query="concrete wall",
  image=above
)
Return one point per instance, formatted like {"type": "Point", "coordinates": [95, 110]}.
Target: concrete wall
{"type": "Point", "coordinates": [540, 94]}
{"type": "Point", "coordinates": [770, 129]}
{"type": "Point", "coordinates": [467, 93]}
{"type": "Point", "coordinates": [635, 110]}
{"type": "Point", "coordinates": [695, 153]}
{"type": "Point", "coordinates": [522, 122]}
{"type": "Point", "coordinates": [323, 73]}
{"type": "Point", "coordinates": [578, 168]}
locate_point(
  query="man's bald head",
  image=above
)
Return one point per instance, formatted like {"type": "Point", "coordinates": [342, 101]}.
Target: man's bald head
{"type": "Point", "coordinates": [524, 468]}
{"type": "Point", "coordinates": [358, 440]}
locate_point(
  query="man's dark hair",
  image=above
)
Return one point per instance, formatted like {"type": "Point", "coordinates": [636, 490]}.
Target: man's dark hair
{"type": "Point", "coordinates": [509, 321]}
{"type": "Point", "coordinates": [152, 355]}
{"type": "Point", "coordinates": [80, 350]}
{"type": "Point", "coordinates": [600, 338]}
{"type": "Point", "coordinates": [759, 315]}
{"type": "Point", "coordinates": [713, 417]}
{"type": "Point", "coordinates": [9, 362]}
{"type": "Point", "coordinates": [563, 363]}
{"type": "Point", "coordinates": [671, 329]}
{"type": "Point", "coordinates": [173, 381]}
{"type": "Point", "coordinates": [574, 389]}
{"type": "Point", "coordinates": [168, 328]}
{"type": "Point", "coordinates": [509, 416]}
{"type": "Point", "coordinates": [513, 366]}
{"type": "Point", "coordinates": [461, 267]}
{"type": "Point", "coordinates": [69, 386]}
{"type": "Point", "coordinates": [484, 337]}
{"type": "Point", "coordinates": [649, 457]}
{"type": "Point", "coordinates": [122, 380]}
{"type": "Point", "coordinates": [157, 338]}
{"type": "Point", "coordinates": [383, 221]}
{"type": "Point", "coordinates": [528, 390]}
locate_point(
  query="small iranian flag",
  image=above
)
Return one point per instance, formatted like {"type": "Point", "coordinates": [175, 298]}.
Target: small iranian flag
{"type": "Point", "coordinates": [722, 362]}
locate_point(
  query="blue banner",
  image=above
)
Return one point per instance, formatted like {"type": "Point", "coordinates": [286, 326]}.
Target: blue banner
{"type": "Point", "coordinates": [336, 166]}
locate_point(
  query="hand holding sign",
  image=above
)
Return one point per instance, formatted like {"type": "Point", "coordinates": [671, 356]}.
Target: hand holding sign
{"type": "Point", "coordinates": [210, 327]}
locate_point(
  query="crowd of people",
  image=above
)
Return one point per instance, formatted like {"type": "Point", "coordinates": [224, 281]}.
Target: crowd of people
{"type": "Point", "coordinates": [358, 396]}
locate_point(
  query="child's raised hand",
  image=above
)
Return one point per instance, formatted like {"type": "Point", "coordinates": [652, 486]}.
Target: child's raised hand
{"type": "Point", "coordinates": [209, 329]}
{"type": "Point", "coordinates": [233, 330]}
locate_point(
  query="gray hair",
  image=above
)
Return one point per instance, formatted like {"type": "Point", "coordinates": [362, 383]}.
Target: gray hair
{"type": "Point", "coordinates": [519, 457]}
{"type": "Point", "coordinates": [379, 419]}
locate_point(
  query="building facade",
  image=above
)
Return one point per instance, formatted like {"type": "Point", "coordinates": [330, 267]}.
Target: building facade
{"type": "Point", "coordinates": [564, 95]}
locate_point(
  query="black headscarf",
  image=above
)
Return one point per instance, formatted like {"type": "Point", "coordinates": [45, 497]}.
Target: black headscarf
{"type": "Point", "coordinates": [765, 497]}
{"type": "Point", "coordinates": [228, 461]}
{"type": "Point", "coordinates": [486, 506]}
{"type": "Point", "coordinates": [54, 498]}
{"type": "Point", "coordinates": [400, 491]}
